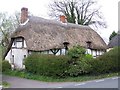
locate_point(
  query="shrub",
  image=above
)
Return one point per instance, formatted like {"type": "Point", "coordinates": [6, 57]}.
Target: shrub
{"type": "Point", "coordinates": [48, 65]}
{"type": "Point", "coordinates": [76, 52]}
{"type": "Point", "coordinates": [81, 67]}
{"type": "Point", "coordinates": [106, 63]}
{"type": "Point", "coordinates": [88, 57]}
{"type": "Point", "coordinates": [5, 66]}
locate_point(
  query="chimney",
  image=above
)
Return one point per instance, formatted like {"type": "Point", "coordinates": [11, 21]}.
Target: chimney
{"type": "Point", "coordinates": [24, 14]}
{"type": "Point", "coordinates": [63, 19]}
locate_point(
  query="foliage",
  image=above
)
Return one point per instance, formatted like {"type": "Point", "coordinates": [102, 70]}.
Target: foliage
{"type": "Point", "coordinates": [8, 24]}
{"type": "Point", "coordinates": [76, 52]}
{"type": "Point", "coordinates": [77, 63]}
{"type": "Point", "coordinates": [5, 84]}
{"type": "Point", "coordinates": [106, 63]}
{"type": "Point", "coordinates": [5, 66]}
{"type": "Point", "coordinates": [88, 57]}
{"type": "Point", "coordinates": [48, 65]}
{"type": "Point", "coordinates": [112, 35]}
{"type": "Point", "coordinates": [78, 11]}
{"type": "Point", "coordinates": [82, 78]}
{"type": "Point", "coordinates": [81, 67]}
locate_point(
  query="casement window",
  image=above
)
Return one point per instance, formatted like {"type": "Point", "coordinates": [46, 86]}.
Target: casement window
{"type": "Point", "coordinates": [18, 43]}
{"type": "Point", "coordinates": [88, 44]}
{"type": "Point", "coordinates": [12, 60]}
{"type": "Point", "coordinates": [24, 58]}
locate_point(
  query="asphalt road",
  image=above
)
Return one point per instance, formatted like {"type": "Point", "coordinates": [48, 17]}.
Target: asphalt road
{"type": "Point", "coordinates": [0, 87]}
{"type": "Point", "coordinates": [102, 83]}
{"type": "Point", "coordinates": [25, 83]}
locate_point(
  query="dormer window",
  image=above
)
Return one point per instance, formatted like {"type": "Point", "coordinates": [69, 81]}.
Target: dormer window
{"type": "Point", "coordinates": [19, 43]}
{"type": "Point", "coordinates": [88, 44]}
{"type": "Point", "coordinates": [66, 46]}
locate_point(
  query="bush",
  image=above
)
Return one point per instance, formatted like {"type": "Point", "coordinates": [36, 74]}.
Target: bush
{"type": "Point", "coordinates": [74, 65]}
{"type": "Point", "coordinates": [106, 63]}
{"type": "Point", "coordinates": [82, 67]}
{"type": "Point", "coordinates": [5, 66]}
{"type": "Point", "coordinates": [48, 65]}
{"type": "Point", "coordinates": [76, 52]}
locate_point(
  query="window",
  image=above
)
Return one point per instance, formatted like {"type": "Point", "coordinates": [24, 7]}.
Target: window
{"type": "Point", "coordinates": [24, 60]}
{"type": "Point", "coordinates": [66, 46]}
{"type": "Point", "coordinates": [88, 44]}
{"type": "Point", "coordinates": [24, 56]}
{"type": "Point", "coordinates": [12, 60]}
{"type": "Point", "coordinates": [19, 42]}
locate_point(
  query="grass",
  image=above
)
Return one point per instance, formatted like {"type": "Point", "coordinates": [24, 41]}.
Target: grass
{"type": "Point", "coordinates": [5, 84]}
{"type": "Point", "coordinates": [23, 74]}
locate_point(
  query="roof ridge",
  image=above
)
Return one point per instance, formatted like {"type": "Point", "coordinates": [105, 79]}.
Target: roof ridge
{"type": "Point", "coordinates": [43, 20]}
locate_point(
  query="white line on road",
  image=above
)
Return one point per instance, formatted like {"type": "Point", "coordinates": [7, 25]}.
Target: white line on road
{"type": "Point", "coordinates": [100, 80]}
{"type": "Point", "coordinates": [115, 78]}
{"type": "Point", "coordinates": [59, 87]}
{"type": "Point", "coordinates": [80, 84]}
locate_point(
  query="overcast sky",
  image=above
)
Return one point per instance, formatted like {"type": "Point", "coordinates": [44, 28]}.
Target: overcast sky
{"type": "Point", "coordinates": [109, 8]}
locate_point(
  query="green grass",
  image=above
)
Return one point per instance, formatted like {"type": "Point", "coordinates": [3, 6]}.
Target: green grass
{"type": "Point", "coordinates": [23, 74]}
{"type": "Point", "coordinates": [5, 84]}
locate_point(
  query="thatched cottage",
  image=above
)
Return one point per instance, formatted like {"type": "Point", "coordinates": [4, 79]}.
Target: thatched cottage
{"type": "Point", "coordinates": [36, 34]}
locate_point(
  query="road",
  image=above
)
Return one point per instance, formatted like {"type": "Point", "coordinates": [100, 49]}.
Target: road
{"type": "Point", "coordinates": [25, 83]}
{"type": "Point", "coordinates": [101, 83]}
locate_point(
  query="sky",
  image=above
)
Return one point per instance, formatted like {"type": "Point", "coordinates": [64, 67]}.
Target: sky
{"type": "Point", "coordinates": [109, 9]}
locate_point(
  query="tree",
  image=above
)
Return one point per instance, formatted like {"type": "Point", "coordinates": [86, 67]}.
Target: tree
{"type": "Point", "coordinates": [112, 35]}
{"type": "Point", "coordinates": [82, 12]}
{"type": "Point", "coordinates": [8, 24]}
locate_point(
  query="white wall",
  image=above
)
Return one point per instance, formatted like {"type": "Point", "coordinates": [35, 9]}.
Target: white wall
{"type": "Point", "coordinates": [9, 56]}
{"type": "Point", "coordinates": [16, 54]}
{"type": "Point", "coordinates": [94, 52]}
{"type": "Point", "coordinates": [19, 56]}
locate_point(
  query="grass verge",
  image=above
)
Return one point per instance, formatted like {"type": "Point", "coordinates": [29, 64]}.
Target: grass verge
{"type": "Point", "coordinates": [82, 78]}
{"type": "Point", "coordinates": [5, 84]}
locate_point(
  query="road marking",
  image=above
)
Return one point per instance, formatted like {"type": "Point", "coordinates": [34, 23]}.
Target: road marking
{"type": "Point", "coordinates": [59, 87]}
{"type": "Point", "coordinates": [115, 78]}
{"type": "Point", "coordinates": [100, 80]}
{"type": "Point", "coordinates": [0, 87]}
{"type": "Point", "coordinates": [80, 84]}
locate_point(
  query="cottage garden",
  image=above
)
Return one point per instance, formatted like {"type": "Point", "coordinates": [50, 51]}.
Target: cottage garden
{"type": "Point", "coordinates": [74, 64]}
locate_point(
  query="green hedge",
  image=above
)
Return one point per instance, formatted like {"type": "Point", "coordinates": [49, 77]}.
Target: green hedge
{"type": "Point", "coordinates": [48, 65]}
{"type": "Point", "coordinates": [106, 63]}
{"type": "Point", "coordinates": [5, 66]}
{"type": "Point", "coordinates": [62, 66]}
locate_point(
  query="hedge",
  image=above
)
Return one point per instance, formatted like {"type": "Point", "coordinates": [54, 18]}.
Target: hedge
{"type": "Point", "coordinates": [62, 66]}
{"type": "Point", "coordinates": [48, 65]}
{"type": "Point", "coordinates": [5, 66]}
{"type": "Point", "coordinates": [106, 63]}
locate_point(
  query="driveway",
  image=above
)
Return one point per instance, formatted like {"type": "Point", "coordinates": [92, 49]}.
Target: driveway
{"type": "Point", "coordinates": [26, 83]}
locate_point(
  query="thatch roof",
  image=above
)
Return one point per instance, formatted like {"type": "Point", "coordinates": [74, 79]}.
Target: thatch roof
{"type": "Point", "coordinates": [115, 41]}
{"type": "Point", "coordinates": [42, 34]}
